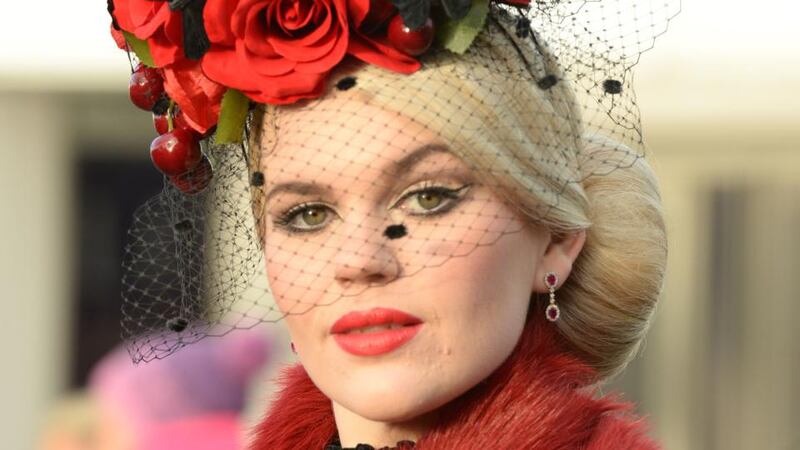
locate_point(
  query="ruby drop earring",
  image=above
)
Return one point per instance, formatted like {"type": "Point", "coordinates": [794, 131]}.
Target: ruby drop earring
{"type": "Point", "coordinates": [552, 312]}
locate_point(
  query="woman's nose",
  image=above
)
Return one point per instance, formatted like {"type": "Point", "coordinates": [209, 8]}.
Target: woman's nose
{"type": "Point", "coordinates": [365, 255]}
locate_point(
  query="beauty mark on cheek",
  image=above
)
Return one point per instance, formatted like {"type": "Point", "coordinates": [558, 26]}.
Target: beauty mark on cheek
{"type": "Point", "coordinates": [395, 231]}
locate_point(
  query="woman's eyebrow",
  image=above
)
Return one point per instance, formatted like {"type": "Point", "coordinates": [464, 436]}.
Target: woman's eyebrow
{"type": "Point", "coordinates": [398, 168]}
{"type": "Point", "coordinates": [407, 162]}
{"type": "Point", "coordinates": [299, 187]}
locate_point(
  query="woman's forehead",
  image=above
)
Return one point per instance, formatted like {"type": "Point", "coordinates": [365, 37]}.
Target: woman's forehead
{"type": "Point", "coordinates": [307, 177]}
{"type": "Point", "coordinates": [347, 123]}
{"type": "Point", "coordinates": [367, 143]}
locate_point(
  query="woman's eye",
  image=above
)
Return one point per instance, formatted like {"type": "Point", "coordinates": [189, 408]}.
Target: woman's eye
{"type": "Point", "coordinates": [431, 200]}
{"type": "Point", "coordinates": [304, 217]}
{"type": "Point", "coordinates": [313, 216]}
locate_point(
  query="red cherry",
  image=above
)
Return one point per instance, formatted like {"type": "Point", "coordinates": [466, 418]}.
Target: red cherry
{"type": "Point", "coordinates": [195, 180]}
{"type": "Point", "coordinates": [145, 87]}
{"type": "Point", "coordinates": [160, 123]}
{"type": "Point", "coordinates": [175, 152]}
{"type": "Point", "coordinates": [404, 39]}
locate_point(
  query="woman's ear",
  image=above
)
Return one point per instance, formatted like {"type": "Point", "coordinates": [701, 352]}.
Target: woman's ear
{"type": "Point", "coordinates": [561, 253]}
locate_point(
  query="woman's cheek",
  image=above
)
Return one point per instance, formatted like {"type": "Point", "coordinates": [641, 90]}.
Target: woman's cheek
{"type": "Point", "coordinates": [303, 336]}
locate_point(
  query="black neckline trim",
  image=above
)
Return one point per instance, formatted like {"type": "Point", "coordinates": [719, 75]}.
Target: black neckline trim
{"type": "Point", "coordinates": [335, 444]}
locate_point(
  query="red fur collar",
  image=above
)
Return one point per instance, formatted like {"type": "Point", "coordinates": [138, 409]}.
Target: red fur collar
{"type": "Point", "coordinates": [538, 399]}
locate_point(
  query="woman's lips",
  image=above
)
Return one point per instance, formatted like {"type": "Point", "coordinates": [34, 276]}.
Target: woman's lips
{"type": "Point", "coordinates": [374, 332]}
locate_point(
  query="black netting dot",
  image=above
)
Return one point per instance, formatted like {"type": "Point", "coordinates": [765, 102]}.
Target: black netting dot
{"type": "Point", "coordinates": [346, 83]}
{"type": "Point", "coordinates": [395, 231]}
{"type": "Point", "coordinates": [161, 106]}
{"type": "Point", "coordinates": [612, 86]}
{"type": "Point", "coordinates": [547, 82]}
{"type": "Point", "coordinates": [183, 225]}
{"type": "Point", "coordinates": [177, 324]}
{"type": "Point", "coordinates": [257, 179]}
{"type": "Point", "coordinates": [523, 27]}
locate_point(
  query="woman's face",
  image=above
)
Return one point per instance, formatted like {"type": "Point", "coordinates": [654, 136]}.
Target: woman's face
{"type": "Point", "coordinates": [455, 282]}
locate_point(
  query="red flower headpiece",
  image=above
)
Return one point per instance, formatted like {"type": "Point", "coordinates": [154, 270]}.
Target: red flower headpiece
{"type": "Point", "coordinates": [203, 61]}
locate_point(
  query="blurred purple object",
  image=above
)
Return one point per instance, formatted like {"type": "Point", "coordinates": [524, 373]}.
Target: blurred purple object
{"type": "Point", "coordinates": [207, 379]}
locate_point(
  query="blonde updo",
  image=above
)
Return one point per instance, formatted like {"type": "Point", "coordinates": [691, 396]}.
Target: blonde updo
{"type": "Point", "coordinates": [608, 300]}
{"type": "Point", "coordinates": [531, 145]}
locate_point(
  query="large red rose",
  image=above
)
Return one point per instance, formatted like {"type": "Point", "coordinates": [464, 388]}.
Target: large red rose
{"type": "Point", "coordinates": [280, 51]}
{"type": "Point", "coordinates": [152, 20]}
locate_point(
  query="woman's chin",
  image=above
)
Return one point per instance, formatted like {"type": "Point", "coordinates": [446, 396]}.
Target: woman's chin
{"type": "Point", "coordinates": [388, 395]}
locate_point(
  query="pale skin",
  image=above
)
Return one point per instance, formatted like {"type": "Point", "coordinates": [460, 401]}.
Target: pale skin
{"type": "Point", "coordinates": [467, 266]}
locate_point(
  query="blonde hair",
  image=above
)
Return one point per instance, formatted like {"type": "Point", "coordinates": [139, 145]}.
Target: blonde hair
{"type": "Point", "coordinates": [609, 298]}
{"type": "Point", "coordinates": [529, 142]}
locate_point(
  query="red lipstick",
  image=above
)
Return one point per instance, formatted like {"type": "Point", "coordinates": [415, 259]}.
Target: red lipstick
{"type": "Point", "coordinates": [374, 332]}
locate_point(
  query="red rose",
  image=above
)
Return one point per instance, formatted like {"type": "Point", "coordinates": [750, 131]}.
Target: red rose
{"type": "Point", "coordinates": [198, 97]}
{"type": "Point", "coordinates": [280, 51]}
{"type": "Point", "coordinates": [153, 21]}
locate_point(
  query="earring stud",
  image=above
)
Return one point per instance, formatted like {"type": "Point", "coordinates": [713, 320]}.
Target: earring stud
{"type": "Point", "coordinates": [552, 312]}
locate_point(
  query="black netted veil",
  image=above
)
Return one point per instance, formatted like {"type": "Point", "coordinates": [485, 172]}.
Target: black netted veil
{"type": "Point", "coordinates": [539, 97]}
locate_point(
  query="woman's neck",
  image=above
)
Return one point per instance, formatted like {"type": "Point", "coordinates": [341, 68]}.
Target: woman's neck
{"type": "Point", "coordinates": [354, 429]}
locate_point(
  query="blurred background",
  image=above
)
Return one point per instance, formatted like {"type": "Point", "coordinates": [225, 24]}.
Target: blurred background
{"type": "Point", "coordinates": [720, 100]}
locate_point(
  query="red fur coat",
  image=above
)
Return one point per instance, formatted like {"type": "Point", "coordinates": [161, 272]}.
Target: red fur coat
{"type": "Point", "coordinates": [536, 400]}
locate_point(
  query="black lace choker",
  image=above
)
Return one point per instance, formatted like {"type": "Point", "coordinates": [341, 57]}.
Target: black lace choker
{"type": "Point", "coordinates": [335, 444]}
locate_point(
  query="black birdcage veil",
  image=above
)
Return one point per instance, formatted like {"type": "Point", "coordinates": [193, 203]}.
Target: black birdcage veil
{"type": "Point", "coordinates": [417, 169]}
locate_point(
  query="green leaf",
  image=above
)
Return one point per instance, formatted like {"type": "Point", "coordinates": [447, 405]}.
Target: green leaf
{"type": "Point", "coordinates": [457, 35]}
{"type": "Point", "coordinates": [140, 48]}
{"type": "Point", "coordinates": [232, 116]}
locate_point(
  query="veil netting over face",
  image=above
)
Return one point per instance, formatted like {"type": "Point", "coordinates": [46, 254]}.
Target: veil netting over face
{"type": "Point", "coordinates": [383, 162]}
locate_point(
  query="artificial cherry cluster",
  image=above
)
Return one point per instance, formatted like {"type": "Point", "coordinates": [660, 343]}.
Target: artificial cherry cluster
{"type": "Point", "coordinates": [176, 151]}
